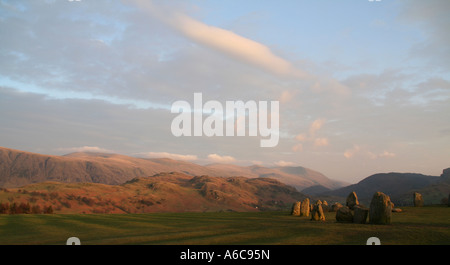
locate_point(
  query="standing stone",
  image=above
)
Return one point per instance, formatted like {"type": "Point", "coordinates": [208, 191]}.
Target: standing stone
{"type": "Point", "coordinates": [336, 206]}
{"type": "Point", "coordinates": [360, 214]}
{"type": "Point", "coordinates": [344, 215]}
{"type": "Point", "coordinates": [449, 200]}
{"type": "Point", "coordinates": [296, 209]}
{"type": "Point", "coordinates": [418, 199]}
{"type": "Point", "coordinates": [352, 200]}
{"type": "Point", "coordinates": [325, 207]}
{"type": "Point", "coordinates": [380, 209]}
{"type": "Point", "coordinates": [317, 213]}
{"type": "Point", "coordinates": [304, 208]}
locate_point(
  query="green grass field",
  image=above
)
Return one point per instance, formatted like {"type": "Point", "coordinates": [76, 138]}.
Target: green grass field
{"type": "Point", "coordinates": [426, 225]}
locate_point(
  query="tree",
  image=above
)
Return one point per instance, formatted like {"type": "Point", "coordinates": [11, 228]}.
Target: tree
{"type": "Point", "coordinates": [48, 210]}
{"type": "Point", "coordinates": [24, 208]}
{"type": "Point", "coordinates": [36, 209]}
{"type": "Point", "coordinates": [13, 208]}
{"type": "Point", "coordinates": [4, 208]}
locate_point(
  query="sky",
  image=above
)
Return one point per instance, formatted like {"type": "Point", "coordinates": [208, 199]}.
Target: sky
{"type": "Point", "coordinates": [363, 86]}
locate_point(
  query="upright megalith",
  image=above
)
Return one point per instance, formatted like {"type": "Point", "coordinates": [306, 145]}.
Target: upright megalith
{"type": "Point", "coordinates": [380, 209]}
{"type": "Point", "coordinates": [352, 200]}
{"type": "Point", "coordinates": [360, 214]}
{"type": "Point", "coordinates": [418, 199]}
{"type": "Point", "coordinates": [317, 213]}
{"type": "Point", "coordinates": [448, 200]}
{"type": "Point", "coordinates": [304, 208]}
{"type": "Point", "coordinates": [344, 215]}
{"type": "Point", "coordinates": [325, 206]}
{"type": "Point", "coordinates": [296, 208]}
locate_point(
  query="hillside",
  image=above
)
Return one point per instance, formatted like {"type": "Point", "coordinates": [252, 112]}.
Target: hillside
{"type": "Point", "coordinates": [298, 177]}
{"type": "Point", "coordinates": [165, 192]}
{"type": "Point", "coordinates": [19, 168]}
{"type": "Point", "coordinates": [433, 193]}
{"type": "Point", "coordinates": [399, 186]}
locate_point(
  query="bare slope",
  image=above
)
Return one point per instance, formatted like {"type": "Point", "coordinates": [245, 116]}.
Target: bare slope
{"type": "Point", "coordinates": [165, 192]}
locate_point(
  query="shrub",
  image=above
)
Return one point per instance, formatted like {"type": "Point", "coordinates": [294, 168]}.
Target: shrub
{"type": "Point", "coordinates": [87, 201]}
{"type": "Point", "coordinates": [48, 210]}
{"type": "Point", "coordinates": [4, 208]}
{"type": "Point", "coordinates": [24, 208]}
{"type": "Point", "coordinates": [13, 208]}
{"type": "Point", "coordinates": [36, 209]}
{"type": "Point", "coordinates": [66, 204]}
{"type": "Point", "coordinates": [53, 195]}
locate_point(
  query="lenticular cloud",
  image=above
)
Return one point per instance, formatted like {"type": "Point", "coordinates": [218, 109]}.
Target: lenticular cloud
{"type": "Point", "coordinates": [224, 41]}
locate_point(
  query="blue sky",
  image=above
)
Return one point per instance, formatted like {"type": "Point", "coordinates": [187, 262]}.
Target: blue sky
{"type": "Point", "coordinates": [363, 86]}
{"type": "Point", "coordinates": [347, 31]}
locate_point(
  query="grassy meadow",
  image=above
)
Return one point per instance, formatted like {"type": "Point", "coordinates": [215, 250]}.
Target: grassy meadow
{"type": "Point", "coordinates": [426, 225]}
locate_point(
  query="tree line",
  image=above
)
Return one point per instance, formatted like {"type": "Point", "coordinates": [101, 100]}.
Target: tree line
{"type": "Point", "coordinates": [24, 208]}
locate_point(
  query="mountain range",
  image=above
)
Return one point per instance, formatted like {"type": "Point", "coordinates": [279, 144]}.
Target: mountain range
{"type": "Point", "coordinates": [399, 186]}
{"type": "Point", "coordinates": [113, 183]}
{"type": "Point", "coordinates": [19, 168]}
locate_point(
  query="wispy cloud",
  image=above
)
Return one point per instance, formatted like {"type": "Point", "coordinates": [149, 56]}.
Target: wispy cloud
{"type": "Point", "coordinates": [168, 155]}
{"type": "Point", "coordinates": [357, 150]}
{"type": "Point", "coordinates": [310, 137]}
{"type": "Point", "coordinates": [225, 41]}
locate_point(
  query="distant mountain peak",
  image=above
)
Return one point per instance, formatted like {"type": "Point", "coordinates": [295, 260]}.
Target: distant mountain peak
{"type": "Point", "coordinates": [115, 169]}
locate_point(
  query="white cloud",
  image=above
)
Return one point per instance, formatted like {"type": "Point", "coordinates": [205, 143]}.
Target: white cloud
{"type": "Point", "coordinates": [386, 154]}
{"type": "Point", "coordinates": [431, 18]}
{"type": "Point", "coordinates": [315, 126]}
{"type": "Point", "coordinates": [301, 137]}
{"type": "Point", "coordinates": [364, 152]}
{"type": "Point", "coordinates": [310, 137]}
{"type": "Point", "coordinates": [349, 153]}
{"type": "Point", "coordinates": [215, 158]}
{"type": "Point", "coordinates": [297, 148]}
{"type": "Point", "coordinates": [321, 142]}
{"type": "Point", "coordinates": [224, 41]}
{"type": "Point", "coordinates": [87, 149]}
{"type": "Point", "coordinates": [257, 162]}
{"type": "Point", "coordinates": [287, 96]}
{"type": "Point", "coordinates": [283, 163]}
{"type": "Point", "coordinates": [169, 155]}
